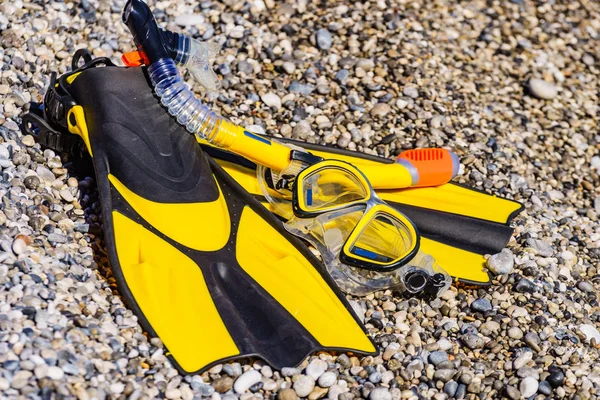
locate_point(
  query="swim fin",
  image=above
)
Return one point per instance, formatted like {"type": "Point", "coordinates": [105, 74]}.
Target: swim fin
{"type": "Point", "coordinates": [458, 225]}
{"type": "Point", "coordinates": [202, 263]}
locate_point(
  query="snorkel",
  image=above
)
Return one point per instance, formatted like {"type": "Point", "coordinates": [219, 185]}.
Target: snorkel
{"type": "Point", "coordinates": [160, 50]}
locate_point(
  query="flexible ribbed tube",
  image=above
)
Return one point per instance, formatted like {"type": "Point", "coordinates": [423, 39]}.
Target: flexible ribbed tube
{"type": "Point", "coordinates": [181, 103]}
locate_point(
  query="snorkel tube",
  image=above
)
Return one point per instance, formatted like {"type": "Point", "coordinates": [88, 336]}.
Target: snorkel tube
{"type": "Point", "coordinates": [160, 50]}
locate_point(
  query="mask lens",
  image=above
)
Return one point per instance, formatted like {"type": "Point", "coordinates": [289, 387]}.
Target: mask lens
{"type": "Point", "coordinates": [384, 240]}
{"type": "Point", "coordinates": [330, 188]}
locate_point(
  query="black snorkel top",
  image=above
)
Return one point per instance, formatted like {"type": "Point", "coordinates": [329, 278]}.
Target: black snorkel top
{"type": "Point", "coordinates": [154, 42]}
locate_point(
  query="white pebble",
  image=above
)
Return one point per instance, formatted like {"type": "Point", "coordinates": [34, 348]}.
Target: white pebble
{"type": "Point", "coordinates": [19, 246]}
{"type": "Point", "coordinates": [259, 130]}
{"type": "Point", "coordinates": [173, 394]}
{"type": "Point", "coordinates": [327, 379]}
{"type": "Point", "coordinates": [590, 332]}
{"type": "Point", "coordinates": [67, 195]}
{"type": "Point", "coordinates": [316, 368]}
{"type": "Point", "coordinates": [380, 394]}
{"type": "Point", "coordinates": [528, 387]}
{"type": "Point", "coordinates": [55, 373]}
{"type": "Point", "coordinates": [522, 360]}
{"type": "Point", "coordinates": [237, 32]}
{"type": "Point", "coordinates": [246, 381]}
{"type": "Point", "coordinates": [542, 89]}
{"type": "Point", "coordinates": [304, 385]}
{"type": "Point", "coordinates": [117, 388]}
{"type": "Point", "coordinates": [189, 19]}
{"type": "Point", "coordinates": [272, 100]}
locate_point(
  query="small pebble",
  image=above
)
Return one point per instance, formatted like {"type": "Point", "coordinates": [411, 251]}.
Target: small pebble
{"type": "Point", "coordinates": [411, 92]}
{"type": "Point", "coordinates": [304, 385]}
{"type": "Point", "coordinates": [542, 90]}
{"type": "Point", "coordinates": [585, 286]}
{"type": "Point", "coordinates": [528, 387]}
{"type": "Point", "coordinates": [524, 285]}
{"type": "Point", "coordinates": [513, 392]}
{"type": "Point", "coordinates": [55, 373]}
{"type": "Point", "coordinates": [380, 394]}
{"type": "Point", "coordinates": [556, 378]}
{"type": "Point", "coordinates": [28, 140]}
{"type": "Point", "coordinates": [272, 100]}
{"type": "Point", "coordinates": [287, 394]}
{"type": "Point", "coordinates": [545, 388]}
{"type": "Point", "coordinates": [450, 388]}
{"type": "Point", "coordinates": [246, 380]}
{"type": "Point", "coordinates": [472, 341]}
{"type": "Point", "coordinates": [327, 379]}
{"type": "Point", "coordinates": [482, 305]}
{"type": "Point", "coordinates": [515, 333]}
{"type": "Point", "coordinates": [324, 39]}
{"type": "Point", "coordinates": [501, 263]}
{"type": "Point", "coordinates": [380, 110]}
{"type": "Point", "coordinates": [316, 368]}
{"type": "Point", "coordinates": [437, 357]}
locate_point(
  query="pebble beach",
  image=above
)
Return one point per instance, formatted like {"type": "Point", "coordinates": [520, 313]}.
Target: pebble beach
{"type": "Point", "coordinates": [512, 87]}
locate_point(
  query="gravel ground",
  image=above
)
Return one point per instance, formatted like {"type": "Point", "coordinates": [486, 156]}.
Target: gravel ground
{"type": "Point", "coordinates": [511, 86]}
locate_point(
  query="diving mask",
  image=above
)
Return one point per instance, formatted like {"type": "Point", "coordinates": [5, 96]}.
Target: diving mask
{"type": "Point", "coordinates": [366, 244]}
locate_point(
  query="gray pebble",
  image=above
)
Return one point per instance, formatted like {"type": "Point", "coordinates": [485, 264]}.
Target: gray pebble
{"type": "Point", "coordinates": [527, 372]}
{"type": "Point", "coordinates": [411, 92]}
{"type": "Point", "coordinates": [542, 247]}
{"type": "Point", "coordinates": [524, 285]}
{"type": "Point", "coordinates": [375, 377]}
{"type": "Point", "coordinates": [224, 69]}
{"type": "Point", "coordinates": [444, 375]}
{"type": "Point", "coordinates": [341, 76]}
{"type": "Point", "coordinates": [501, 263]}
{"type": "Point", "coordinates": [472, 341]}
{"type": "Point", "coordinates": [414, 366]}
{"type": "Point", "coordinates": [344, 361]}
{"type": "Point", "coordinates": [288, 372]}
{"type": "Point", "coordinates": [515, 333]}
{"type": "Point", "coordinates": [233, 370]}
{"type": "Point", "coordinates": [354, 103]}
{"type": "Point", "coordinates": [245, 67]}
{"type": "Point", "coordinates": [302, 130]}
{"type": "Point", "coordinates": [450, 388]}
{"type": "Point", "coordinates": [533, 340]}
{"type": "Point", "coordinates": [461, 391]}
{"type": "Point", "coordinates": [324, 39]}
{"type": "Point", "coordinates": [289, 67]}
{"type": "Point", "coordinates": [481, 305]}
{"type": "Point", "coordinates": [19, 246]}
{"type": "Point", "coordinates": [189, 19]}
{"type": "Point", "coordinates": [301, 88]}
{"type": "Point", "coordinates": [437, 357]}
{"type": "Point", "coordinates": [31, 182]}
{"type": "Point", "coordinates": [545, 388]}
{"type": "Point", "coordinates": [585, 286]}
{"type": "Point", "coordinates": [513, 392]}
